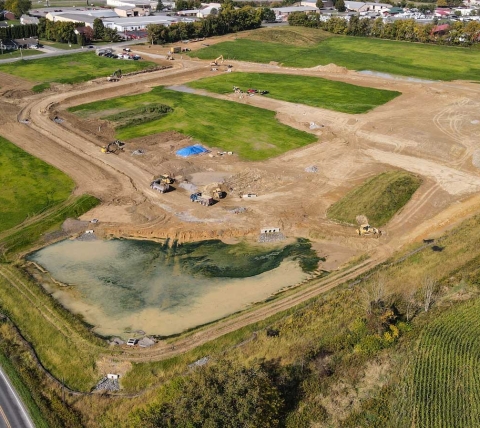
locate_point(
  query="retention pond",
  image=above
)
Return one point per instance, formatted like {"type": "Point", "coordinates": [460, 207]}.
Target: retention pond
{"type": "Point", "coordinates": [120, 286]}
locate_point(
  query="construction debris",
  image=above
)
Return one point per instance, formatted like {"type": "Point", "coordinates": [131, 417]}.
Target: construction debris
{"type": "Point", "coordinates": [146, 342]}
{"type": "Point", "coordinates": [138, 152]}
{"type": "Point", "coordinates": [238, 210]}
{"type": "Point", "coordinates": [271, 237]}
{"type": "Point", "coordinates": [312, 168]}
{"type": "Point", "coordinates": [57, 119]}
{"type": "Point", "coordinates": [313, 125]}
{"type": "Point", "coordinates": [107, 384]}
{"type": "Point", "coordinates": [199, 363]}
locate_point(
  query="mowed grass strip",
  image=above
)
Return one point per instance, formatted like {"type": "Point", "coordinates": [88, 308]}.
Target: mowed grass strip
{"type": "Point", "coordinates": [251, 132]}
{"type": "Point", "coordinates": [75, 68]}
{"type": "Point", "coordinates": [355, 53]}
{"type": "Point", "coordinates": [379, 198]}
{"type": "Point", "coordinates": [311, 91]}
{"type": "Point", "coordinates": [28, 185]}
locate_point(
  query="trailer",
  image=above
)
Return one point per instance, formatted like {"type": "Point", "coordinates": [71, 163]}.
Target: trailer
{"type": "Point", "coordinates": [159, 186]}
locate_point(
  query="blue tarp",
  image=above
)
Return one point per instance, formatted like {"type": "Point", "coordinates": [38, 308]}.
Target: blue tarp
{"type": "Point", "coordinates": [191, 150]}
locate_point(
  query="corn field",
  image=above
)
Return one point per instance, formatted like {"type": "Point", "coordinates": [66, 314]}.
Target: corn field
{"type": "Point", "coordinates": [444, 383]}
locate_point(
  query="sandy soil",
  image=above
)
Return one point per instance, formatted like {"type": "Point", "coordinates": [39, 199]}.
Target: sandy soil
{"type": "Point", "coordinates": [432, 129]}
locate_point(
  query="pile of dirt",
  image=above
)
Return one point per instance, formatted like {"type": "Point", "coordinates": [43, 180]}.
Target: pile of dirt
{"type": "Point", "coordinates": [251, 180]}
{"type": "Point", "coordinates": [331, 68]}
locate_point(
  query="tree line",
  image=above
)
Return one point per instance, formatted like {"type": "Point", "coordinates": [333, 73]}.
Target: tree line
{"type": "Point", "coordinates": [458, 33]}
{"type": "Point", "coordinates": [228, 20]}
{"type": "Point", "coordinates": [18, 32]}
{"type": "Point", "coordinates": [64, 32]}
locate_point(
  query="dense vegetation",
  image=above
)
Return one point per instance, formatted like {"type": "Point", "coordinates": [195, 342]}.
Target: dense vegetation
{"type": "Point", "coordinates": [355, 53]}
{"type": "Point", "coordinates": [251, 132]}
{"type": "Point", "coordinates": [379, 198]}
{"type": "Point", "coordinates": [228, 20]}
{"type": "Point", "coordinates": [463, 33]}
{"type": "Point", "coordinates": [312, 91]}
{"type": "Point", "coordinates": [18, 31]}
{"type": "Point", "coordinates": [28, 185]}
{"type": "Point", "coordinates": [73, 68]}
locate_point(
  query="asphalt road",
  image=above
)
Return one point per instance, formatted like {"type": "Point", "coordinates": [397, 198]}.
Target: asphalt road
{"type": "Point", "coordinates": [12, 411]}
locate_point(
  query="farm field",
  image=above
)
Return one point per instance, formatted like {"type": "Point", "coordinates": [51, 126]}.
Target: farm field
{"type": "Point", "coordinates": [70, 69]}
{"type": "Point", "coordinates": [379, 198]}
{"type": "Point", "coordinates": [29, 185]}
{"type": "Point", "coordinates": [355, 53]}
{"type": "Point", "coordinates": [312, 91]}
{"type": "Point", "coordinates": [443, 384]}
{"type": "Point", "coordinates": [258, 135]}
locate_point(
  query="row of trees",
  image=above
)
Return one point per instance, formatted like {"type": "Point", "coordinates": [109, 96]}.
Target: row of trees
{"type": "Point", "coordinates": [18, 31]}
{"type": "Point", "coordinates": [228, 20]}
{"type": "Point", "coordinates": [463, 33]}
{"type": "Point", "coordinates": [64, 32]}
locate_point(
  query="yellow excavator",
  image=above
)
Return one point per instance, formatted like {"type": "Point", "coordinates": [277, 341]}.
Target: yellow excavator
{"type": "Point", "coordinates": [217, 61]}
{"type": "Point", "coordinates": [115, 77]}
{"type": "Point", "coordinates": [113, 147]}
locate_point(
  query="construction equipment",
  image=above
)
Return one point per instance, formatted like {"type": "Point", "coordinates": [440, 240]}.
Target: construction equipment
{"type": "Point", "coordinates": [366, 229]}
{"type": "Point", "coordinates": [215, 62]}
{"type": "Point", "coordinates": [169, 57]}
{"type": "Point", "coordinates": [176, 49]}
{"type": "Point", "coordinates": [202, 200]}
{"type": "Point", "coordinates": [115, 77]}
{"type": "Point", "coordinates": [159, 186]}
{"type": "Point", "coordinates": [164, 179]}
{"type": "Point", "coordinates": [113, 147]}
{"type": "Point", "coordinates": [218, 193]}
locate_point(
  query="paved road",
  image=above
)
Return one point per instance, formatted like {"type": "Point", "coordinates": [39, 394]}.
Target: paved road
{"type": "Point", "coordinates": [12, 411]}
{"type": "Point", "coordinates": [50, 51]}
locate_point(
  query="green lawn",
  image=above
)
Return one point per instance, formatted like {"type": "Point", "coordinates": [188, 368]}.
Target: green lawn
{"type": "Point", "coordinates": [74, 68]}
{"type": "Point", "coordinates": [312, 91]}
{"type": "Point", "coordinates": [379, 198]}
{"type": "Point", "coordinates": [28, 185]}
{"type": "Point", "coordinates": [402, 58]}
{"type": "Point", "coordinates": [251, 132]}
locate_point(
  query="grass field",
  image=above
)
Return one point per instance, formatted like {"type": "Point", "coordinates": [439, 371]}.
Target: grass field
{"type": "Point", "coordinates": [379, 198]}
{"type": "Point", "coordinates": [74, 68]}
{"type": "Point", "coordinates": [17, 54]}
{"type": "Point", "coordinates": [251, 132]}
{"type": "Point", "coordinates": [444, 387]}
{"type": "Point", "coordinates": [312, 91]}
{"type": "Point", "coordinates": [355, 53]}
{"type": "Point", "coordinates": [28, 185]}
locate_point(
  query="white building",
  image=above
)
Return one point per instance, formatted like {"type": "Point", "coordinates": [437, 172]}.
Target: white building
{"type": "Point", "coordinates": [284, 12]}
{"type": "Point", "coordinates": [139, 23]}
{"type": "Point", "coordinates": [87, 16]}
{"type": "Point", "coordinates": [358, 6]}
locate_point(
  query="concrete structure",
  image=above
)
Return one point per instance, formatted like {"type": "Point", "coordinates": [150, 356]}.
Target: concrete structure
{"type": "Point", "coordinates": [270, 230]}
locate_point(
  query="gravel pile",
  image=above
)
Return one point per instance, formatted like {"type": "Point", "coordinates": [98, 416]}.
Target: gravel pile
{"type": "Point", "coordinates": [271, 237]}
{"type": "Point", "coordinates": [106, 384]}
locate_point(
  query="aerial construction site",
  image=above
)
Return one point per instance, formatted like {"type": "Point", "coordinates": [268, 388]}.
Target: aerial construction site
{"type": "Point", "coordinates": [195, 151]}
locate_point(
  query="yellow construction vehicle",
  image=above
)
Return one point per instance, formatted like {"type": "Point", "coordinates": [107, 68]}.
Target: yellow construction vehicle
{"type": "Point", "coordinates": [366, 229]}
{"type": "Point", "coordinates": [164, 179]}
{"type": "Point", "coordinates": [113, 147]}
{"type": "Point", "coordinates": [115, 77]}
{"type": "Point", "coordinates": [218, 193]}
{"type": "Point", "coordinates": [217, 61]}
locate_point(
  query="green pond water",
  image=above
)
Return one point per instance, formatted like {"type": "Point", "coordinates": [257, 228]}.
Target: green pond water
{"type": "Point", "coordinates": [126, 285]}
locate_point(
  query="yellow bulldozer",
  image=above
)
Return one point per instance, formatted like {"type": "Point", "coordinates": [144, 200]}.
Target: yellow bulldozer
{"type": "Point", "coordinates": [366, 229]}
{"type": "Point", "coordinates": [164, 179]}
{"type": "Point", "coordinates": [113, 147]}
